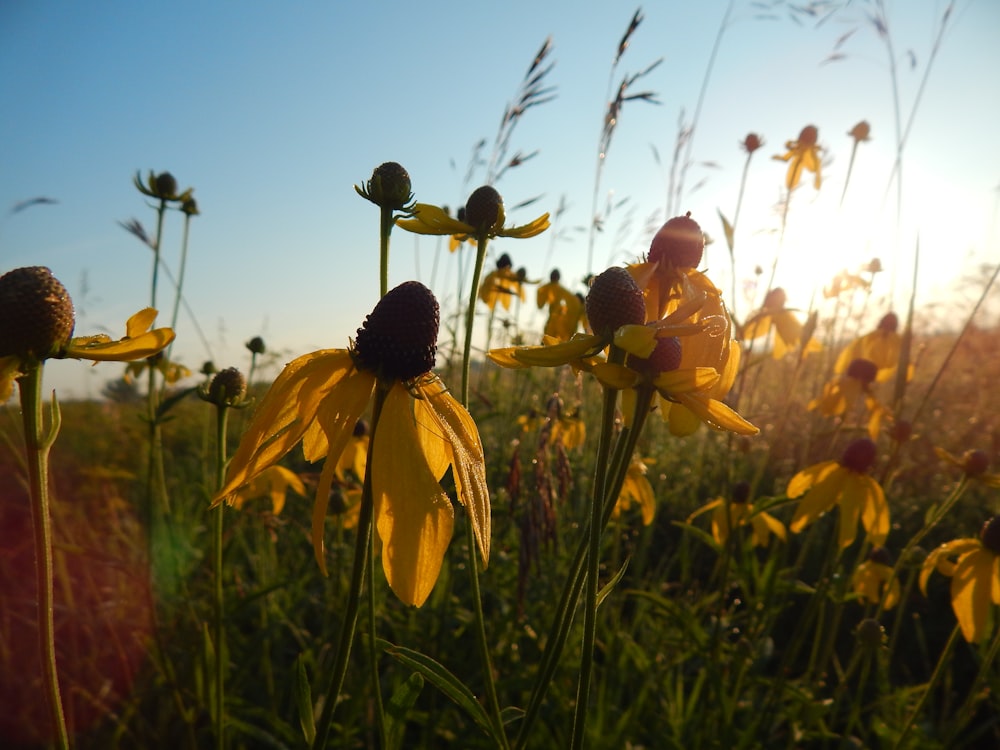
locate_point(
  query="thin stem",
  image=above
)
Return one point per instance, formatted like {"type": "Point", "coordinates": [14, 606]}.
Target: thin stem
{"type": "Point", "coordinates": [361, 547]}
{"type": "Point", "coordinates": [221, 423]}
{"type": "Point", "coordinates": [373, 647]}
{"type": "Point", "coordinates": [180, 281]}
{"type": "Point", "coordinates": [470, 315]}
{"type": "Point", "coordinates": [386, 220]}
{"type": "Point", "coordinates": [943, 661]}
{"type": "Point", "coordinates": [37, 446]}
{"type": "Point", "coordinates": [593, 566]}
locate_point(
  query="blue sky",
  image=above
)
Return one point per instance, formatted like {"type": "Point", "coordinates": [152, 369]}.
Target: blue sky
{"type": "Point", "coordinates": [272, 112]}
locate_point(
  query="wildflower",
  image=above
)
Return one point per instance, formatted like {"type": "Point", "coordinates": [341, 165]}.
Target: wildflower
{"type": "Point", "coordinates": [845, 483]}
{"type": "Point", "coordinates": [565, 308]}
{"type": "Point", "coordinates": [256, 345]}
{"type": "Point", "coordinates": [484, 214]}
{"type": "Point", "coordinates": [274, 483]}
{"type": "Point", "coordinates": [420, 432]}
{"type": "Point", "coordinates": [802, 154]}
{"type": "Point", "coordinates": [739, 512]}
{"type": "Point", "coordinates": [388, 188]}
{"type": "Point", "coordinates": [37, 321]}
{"type": "Point", "coordinates": [874, 579]}
{"type": "Point", "coordinates": [973, 564]}
{"type": "Point", "coordinates": [881, 347]}
{"type": "Point", "coordinates": [501, 284]}
{"type": "Point", "coordinates": [227, 389]}
{"type": "Point", "coordinates": [973, 463]}
{"type": "Point", "coordinates": [847, 389]}
{"type": "Point", "coordinates": [162, 186]}
{"type": "Point", "coordinates": [172, 372]}
{"type": "Point", "coordinates": [637, 489]}
{"type": "Point", "coordinates": [787, 328]}
{"type": "Point", "coordinates": [844, 282]}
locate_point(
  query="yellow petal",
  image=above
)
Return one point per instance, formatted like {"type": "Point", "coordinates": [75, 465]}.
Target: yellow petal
{"type": "Point", "coordinates": [531, 229]}
{"type": "Point", "coordinates": [505, 357]}
{"type": "Point", "coordinates": [452, 421]}
{"type": "Point", "coordinates": [938, 556]}
{"type": "Point", "coordinates": [810, 476]}
{"type": "Point", "coordinates": [557, 354]}
{"type": "Point", "coordinates": [686, 380]}
{"type": "Point", "coordinates": [320, 504]}
{"type": "Point", "coordinates": [286, 411]}
{"type": "Point", "coordinates": [716, 414]}
{"type": "Point", "coordinates": [428, 219]}
{"type": "Point", "coordinates": [819, 499]}
{"type": "Point", "coordinates": [125, 350]}
{"type": "Point", "coordinates": [636, 339]}
{"type": "Point", "coordinates": [874, 509]}
{"type": "Point", "coordinates": [413, 514]}
{"type": "Point", "coordinates": [614, 375]}
{"type": "Point", "coordinates": [9, 369]}
{"type": "Point", "coordinates": [971, 593]}
{"type": "Point", "coordinates": [141, 322]}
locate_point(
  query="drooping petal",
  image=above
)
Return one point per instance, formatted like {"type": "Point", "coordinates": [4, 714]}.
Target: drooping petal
{"type": "Point", "coordinates": [557, 354]}
{"type": "Point", "coordinates": [765, 523]}
{"type": "Point", "coordinates": [874, 509]}
{"type": "Point", "coordinates": [938, 559]}
{"type": "Point", "coordinates": [971, 593]}
{"type": "Point", "coordinates": [851, 497]}
{"type": "Point", "coordinates": [127, 349]}
{"type": "Point", "coordinates": [686, 380]}
{"type": "Point", "coordinates": [413, 514]}
{"type": "Point", "coordinates": [716, 414]}
{"type": "Point", "coordinates": [819, 499]}
{"type": "Point", "coordinates": [614, 375]}
{"type": "Point", "coordinates": [286, 411]}
{"type": "Point", "coordinates": [460, 436]}
{"type": "Point", "coordinates": [810, 476]}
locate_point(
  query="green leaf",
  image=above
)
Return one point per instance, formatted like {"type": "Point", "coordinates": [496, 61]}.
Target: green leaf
{"type": "Point", "coordinates": [439, 676]}
{"type": "Point", "coordinates": [609, 586]}
{"type": "Point", "coordinates": [303, 699]}
{"type": "Point", "coordinates": [399, 705]}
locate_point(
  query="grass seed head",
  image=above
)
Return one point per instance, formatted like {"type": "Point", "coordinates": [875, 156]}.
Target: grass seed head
{"type": "Point", "coordinates": [36, 314]}
{"type": "Point", "coordinates": [398, 340]}
{"type": "Point", "coordinates": [614, 300]}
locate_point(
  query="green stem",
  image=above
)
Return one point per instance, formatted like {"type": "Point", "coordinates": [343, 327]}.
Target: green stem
{"type": "Point", "coordinates": [593, 566]}
{"type": "Point", "coordinates": [386, 220]}
{"type": "Point", "coordinates": [221, 422]}
{"type": "Point", "coordinates": [37, 447]}
{"type": "Point", "coordinates": [373, 647]}
{"type": "Point", "coordinates": [361, 548]}
{"type": "Point", "coordinates": [943, 661]}
{"type": "Point", "coordinates": [470, 315]}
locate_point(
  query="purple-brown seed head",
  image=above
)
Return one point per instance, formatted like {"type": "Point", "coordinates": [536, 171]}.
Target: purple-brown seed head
{"type": "Point", "coordinates": [484, 209]}
{"type": "Point", "coordinates": [614, 300]}
{"type": "Point", "coordinates": [862, 369]}
{"type": "Point", "coordinates": [859, 456]}
{"type": "Point", "coordinates": [398, 340]}
{"type": "Point", "coordinates": [36, 314]}
{"type": "Point", "coordinates": [679, 243]}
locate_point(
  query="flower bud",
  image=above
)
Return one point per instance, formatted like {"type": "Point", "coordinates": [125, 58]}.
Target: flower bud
{"type": "Point", "coordinates": [36, 314]}
{"type": "Point", "coordinates": [776, 299]}
{"type": "Point", "coordinates": [256, 345]}
{"type": "Point", "coordinates": [389, 187]}
{"type": "Point", "coordinates": [889, 323]}
{"type": "Point", "coordinates": [870, 633]}
{"type": "Point", "coordinates": [227, 388]}
{"type": "Point", "coordinates": [166, 185]}
{"type": "Point", "coordinates": [808, 136]}
{"type": "Point", "coordinates": [975, 463]}
{"type": "Point", "coordinates": [752, 142]}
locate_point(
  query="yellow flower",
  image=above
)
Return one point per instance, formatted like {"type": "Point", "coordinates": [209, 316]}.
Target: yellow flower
{"type": "Point", "coordinates": [484, 213]}
{"type": "Point", "coordinates": [637, 489]}
{"type": "Point", "coordinates": [788, 330]}
{"type": "Point", "coordinates": [501, 284]}
{"type": "Point", "coordinates": [565, 308]}
{"type": "Point", "coordinates": [273, 482]}
{"type": "Point", "coordinates": [37, 320]}
{"type": "Point", "coordinates": [172, 371]}
{"type": "Point", "coordinates": [355, 455]}
{"type": "Point", "coordinates": [802, 154]}
{"type": "Point", "coordinates": [739, 512]}
{"type": "Point", "coordinates": [845, 390]}
{"type": "Point", "coordinates": [974, 567]}
{"type": "Point", "coordinates": [420, 433]}
{"type": "Point", "coordinates": [874, 579]}
{"type": "Point", "coordinates": [974, 463]}
{"type": "Point", "coordinates": [844, 282]}
{"type": "Point", "coordinates": [881, 346]}
{"type": "Point", "coordinates": [845, 483]}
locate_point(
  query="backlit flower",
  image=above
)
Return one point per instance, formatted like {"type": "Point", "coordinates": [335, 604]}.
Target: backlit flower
{"type": "Point", "coordinates": [172, 372]}
{"type": "Point", "coordinates": [974, 568]}
{"type": "Point", "coordinates": [565, 308]}
{"type": "Point", "coordinates": [637, 489]}
{"type": "Point", "coordinates": [844, 483]}
{"type": "Point", "coordinates": [274, 483]}
{"type": "Point", "coordinates": [420, 432]}
{"type": "Point", "coordinates": [787, 328]}
{"type": "Point", "coordinates": [501, 284]}
{"type": "Point", "coordinates": [802, 154]}
{"type": "Point", "coordinates": [484, 213]}
{"type": "Point", "coordinates": [852, 387]}
{"type": "Point", "coordinates": [37, 321]}
{"type": "Point", "coordinates": [880, 346]}
{"type": "Point", "coordinates": [739, 512]}
{"type": "Point", "coordinates": [874, 579]}
{"type": "Point", "coordinates": [973, 463]}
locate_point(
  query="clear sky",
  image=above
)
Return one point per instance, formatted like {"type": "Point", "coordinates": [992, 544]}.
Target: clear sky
{"type": "Point", "coordinates": [273, 111]}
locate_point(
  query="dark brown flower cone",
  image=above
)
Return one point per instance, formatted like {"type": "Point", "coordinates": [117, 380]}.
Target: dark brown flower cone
{"type": "Point", "coordinates": [484, 208]}
{"type": "Point", "coordinates": [36, 313]}
{"type": "Point", "coordinates": [990, 535]}
{"type": "Point", "coordinates": [864, 370]}
{"type": "Point", "coordinates": [614, 300]}
{"type": "Point", "coordinates": [859, 456]}
{"type": "Point", "coordinates": [679, 243]}
{"type": "Point", "coordinates": [398, 340]}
